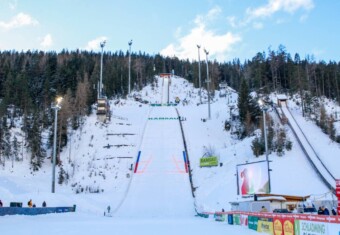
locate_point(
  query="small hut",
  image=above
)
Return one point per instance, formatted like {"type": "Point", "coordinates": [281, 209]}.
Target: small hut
{"type": "Point", "coordinates": [281, 99]}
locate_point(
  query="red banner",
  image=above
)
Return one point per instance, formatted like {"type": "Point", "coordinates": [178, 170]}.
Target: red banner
{"type": "Point", "coordinates": [316, 218]}
{"type": "Point", "coordinates": [337, 192]}
{"type": "Point", "coordinates": [338, 183]}
{"type": "Point", "coordinates": [283, 226]}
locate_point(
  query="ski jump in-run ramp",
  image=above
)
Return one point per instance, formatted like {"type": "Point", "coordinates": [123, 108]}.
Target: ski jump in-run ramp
{"type": "Point", "coordinates": [160, 185]}
{"type": "Point", "coordinates": [309, 151]}
{"type": "Point", "coordinates": [165, 91]}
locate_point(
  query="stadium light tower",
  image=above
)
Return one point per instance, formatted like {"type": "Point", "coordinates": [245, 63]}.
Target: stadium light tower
{"type": "Point", "coordinates": [130, 43]}
{"type": "Point", "coordinates": [208, 82]}
{"type": "Point", "coordinates": [102, 44]}
{"type": "Point", "coordinates": [264, 108]}
{"type": "Point", "coordinates": [199, 73]}
{"type": "Point", "coordinates": [56, 107]}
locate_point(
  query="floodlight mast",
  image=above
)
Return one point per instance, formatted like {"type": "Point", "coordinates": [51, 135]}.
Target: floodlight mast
{"type": "Point", "coordinates": [56, 107]}
{"type": "Point", "coordinates": [208, 82]}
{"type": "Point", "coordinates": [100, 95]}
{"type": "Point", "coordinates": [199, 73]}
{"type": "Point", "coordinates": [264, 108]}
{"type": "Point", "coordinates": [129, 89]}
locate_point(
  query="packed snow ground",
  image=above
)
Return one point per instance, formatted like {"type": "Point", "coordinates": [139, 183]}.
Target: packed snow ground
{"type": "Point", "coordinates": [99, 159]}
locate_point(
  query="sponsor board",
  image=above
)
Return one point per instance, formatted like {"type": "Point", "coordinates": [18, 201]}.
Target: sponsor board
{"type": "Point", "coordinates": [283, 226]}
{"type": "Point", "coordinates": [278, 228]}
{"type": "Point", "coordinates": [338, 183]}
{"type": "Point", "coordinates": [288, 227]}
{"type": "Point", "coordinates": [244, 220]}
{"type": "Point", "coordinates": [236, 219]}
{"type": "Point", "coordinates": [252, 222]}
{"type": "Point", "coordinates": [230, 219]}
{"type": "Point", "coordinates": [208, 161]}
{"type": "Point", "coordinates": [265, 225]}
{"type": "Point", "coordinates": [219, 217]}
{"type": "Point", "coordinates": [303, 227]}
{"type": "Point", "coordinates": [337, 192]}
{"type": "Point", "coordinates": [308, 217]}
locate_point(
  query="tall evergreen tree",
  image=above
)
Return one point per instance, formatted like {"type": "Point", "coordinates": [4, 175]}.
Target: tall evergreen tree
{"type": "Point", "coordinates": [35, 143]}
{"type": "Point", "coordinates": [244, 100]}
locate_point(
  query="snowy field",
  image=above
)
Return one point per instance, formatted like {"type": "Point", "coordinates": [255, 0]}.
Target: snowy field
{"type": "Point", "coordinates": [79, 223]}
{"type": "Point", "coordinates": [100, 159]}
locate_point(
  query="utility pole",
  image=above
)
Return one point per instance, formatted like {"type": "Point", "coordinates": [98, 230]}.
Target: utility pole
{"type": "Point", "coordinates": [208, 83]}
{"type": "Point", "coordinates": [56, 107]}
{"type": "Point", "coordinates": [130, 43]}
{"type": "Point", "coordinates": [264, 110]}
{"type": "Point", "coordinates": [100, 95]}
{"type": "Point", "coordinates": [199, 73]}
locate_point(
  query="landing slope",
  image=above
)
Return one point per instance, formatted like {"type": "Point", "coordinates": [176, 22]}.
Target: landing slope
{"type": "Point", "coordinates": [160, 187]}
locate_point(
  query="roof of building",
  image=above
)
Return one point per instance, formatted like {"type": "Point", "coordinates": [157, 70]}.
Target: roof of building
{"type": "Point", "coordinates": [286, 197]}
{"type": "Point", "coordinates": [282, 97]}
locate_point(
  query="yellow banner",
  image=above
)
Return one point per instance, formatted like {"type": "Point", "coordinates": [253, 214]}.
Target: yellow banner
{"type": "Point", "coordinates": [265, 227]}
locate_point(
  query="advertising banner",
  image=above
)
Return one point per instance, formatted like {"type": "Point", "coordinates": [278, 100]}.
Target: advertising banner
{"type": "Point", "coordinates": [219, 217]}
{"type": "Point", "coordinates": [304, 227]}
{"type": "Point", "coordinates": [236, 219]}
{"type": "Point", "coordinates": [265, 225]}
{"type": "Point", "coordinates": [283, 226]}
{"type": "Point", "coordinates": [230, 219]}
{"type": "Point", "coordinates": [252, 178]}
{"type": "Point", "coordinates": [252, 222]}
{"type": "Point", "coordinates": [337, 192]}
{"type": "Point", "coordinates": [278, 227]}
{"type": "Point", "coordinates": [208, 161]}
{"type": "Point", "coordinates": [337, 189]}
{"type": "Point", "coordinates": [244, 220]}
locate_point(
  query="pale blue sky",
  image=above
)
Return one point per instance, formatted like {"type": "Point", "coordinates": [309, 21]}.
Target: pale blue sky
{"type": "Point", "coordinates": [226, 28]}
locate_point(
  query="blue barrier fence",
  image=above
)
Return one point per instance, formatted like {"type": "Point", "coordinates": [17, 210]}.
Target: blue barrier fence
{"type": "Point", "coordinates": [34, 210]}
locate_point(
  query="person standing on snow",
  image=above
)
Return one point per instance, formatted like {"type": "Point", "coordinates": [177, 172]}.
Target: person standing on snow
{"type": "Point", "coordinates": [30, 203]}
{"type": "Point", "coordinates": [1, 203]}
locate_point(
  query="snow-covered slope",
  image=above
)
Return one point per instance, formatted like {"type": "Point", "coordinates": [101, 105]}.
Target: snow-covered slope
{"type": "Point", "coordinates": [99, 156]}
{"type": "Point", "coordinates": [160, 186]}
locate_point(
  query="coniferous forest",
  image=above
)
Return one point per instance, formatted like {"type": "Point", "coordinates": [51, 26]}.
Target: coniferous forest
{"type": "Point", "coordinates": [30, 81]}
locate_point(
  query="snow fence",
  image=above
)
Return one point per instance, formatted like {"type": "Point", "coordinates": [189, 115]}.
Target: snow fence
{"type": "Point", "coordinates": [279, 223]}
{"type": "Point", "coordinates": [34, 210]}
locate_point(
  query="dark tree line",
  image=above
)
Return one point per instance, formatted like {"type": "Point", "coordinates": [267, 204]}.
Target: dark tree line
{"type": "Point", "coordinates": [30, 82]}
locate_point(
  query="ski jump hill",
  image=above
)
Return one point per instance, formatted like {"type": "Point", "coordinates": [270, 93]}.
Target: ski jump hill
{"type": "Point", "coordinates": [326, 176]}
{"type": "Point", "coordinates": [160, 185]}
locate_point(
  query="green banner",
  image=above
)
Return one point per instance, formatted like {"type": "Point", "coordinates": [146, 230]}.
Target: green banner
{"type": "Point", "coordinates": [252, 222]}
{"type": "Point", "coordinates": [219, 217]}
{"type": "Point", "coordinates": [208, 161]}
{"type": "Point", "coordinates": [236, 219]}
